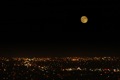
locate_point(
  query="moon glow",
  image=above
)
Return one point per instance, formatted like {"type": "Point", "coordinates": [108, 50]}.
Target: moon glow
{"type": "Point", "coordinates": [84, 19]}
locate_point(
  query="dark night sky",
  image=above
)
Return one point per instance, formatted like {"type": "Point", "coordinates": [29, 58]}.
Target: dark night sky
{"type": "Point", "coordinates": [53, 28]}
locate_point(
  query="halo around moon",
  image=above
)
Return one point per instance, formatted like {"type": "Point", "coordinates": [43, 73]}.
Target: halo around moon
{"type": "Point", "coordinates": [84, 19]}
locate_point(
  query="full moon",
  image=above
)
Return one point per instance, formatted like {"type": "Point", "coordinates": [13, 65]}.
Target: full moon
{"type": "Point", "coordinates": [84, 19]}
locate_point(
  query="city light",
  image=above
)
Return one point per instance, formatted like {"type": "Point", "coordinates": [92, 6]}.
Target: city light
{"type": "Point", "coordinates": [59, 67]}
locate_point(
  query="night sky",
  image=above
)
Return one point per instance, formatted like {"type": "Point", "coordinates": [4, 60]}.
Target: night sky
{"type": "Point", "coordinates": [53, 28]}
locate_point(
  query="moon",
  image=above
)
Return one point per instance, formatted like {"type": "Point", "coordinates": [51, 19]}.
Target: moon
{"type": "Point", "coordinates": [84, 19]}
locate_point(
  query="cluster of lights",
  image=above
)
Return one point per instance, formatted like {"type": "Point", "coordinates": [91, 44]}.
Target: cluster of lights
{"type": "Point", "coordinates": [64, 58]}
{"type": "Point", "coordinates": [32, 62]}
{"type": "Point", "coordinates": [85, 69]}
{"type": "Point", "coordinates": [45, 66]}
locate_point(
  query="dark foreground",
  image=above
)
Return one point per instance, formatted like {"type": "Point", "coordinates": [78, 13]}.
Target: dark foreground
{"type": "Point", "coordinates": [67, 68]}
